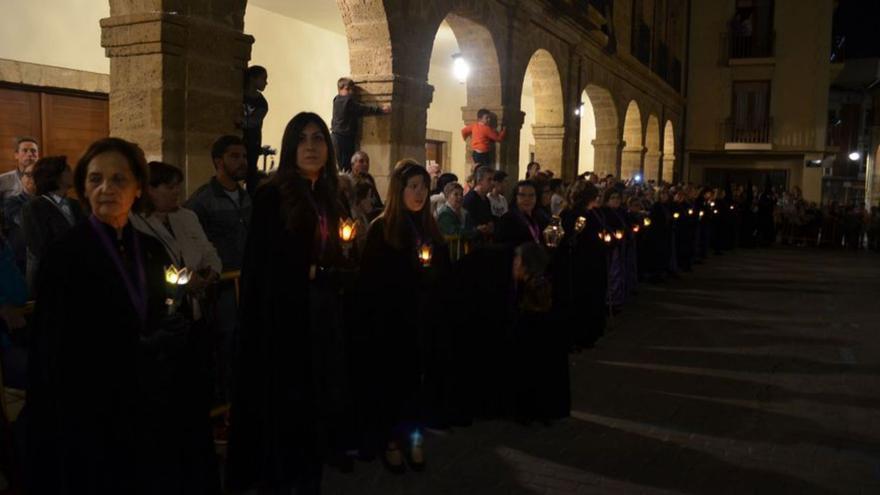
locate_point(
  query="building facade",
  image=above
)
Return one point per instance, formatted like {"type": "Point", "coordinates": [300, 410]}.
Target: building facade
{"type": "Point", "coordinates": [758, 92]}
{"type": "Point", "coordinates": [175, 76]}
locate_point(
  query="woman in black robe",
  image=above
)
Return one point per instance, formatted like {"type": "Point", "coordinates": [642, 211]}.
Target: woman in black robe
{"type": "Point", "coordinates": [541, 390]}
{"type": "Point", "coordinates": [522, 222]}
{"type": "Point", "coordinates": [290, 399]}
{"type": "Point", "coordinates": [615, 223]}
{"type": "Point", "coordinates": [101, 325]}
{"type": "Point", "coordinates": [403, 267]}
{"type": "Point", "coordinates": [580, 271]}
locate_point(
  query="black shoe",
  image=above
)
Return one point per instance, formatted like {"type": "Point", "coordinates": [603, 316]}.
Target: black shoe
{"type": "Point", "coordinates": [394, 465]}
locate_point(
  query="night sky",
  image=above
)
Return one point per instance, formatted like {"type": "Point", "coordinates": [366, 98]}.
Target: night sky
{"type": "Point", "coordinates": [859, 21]}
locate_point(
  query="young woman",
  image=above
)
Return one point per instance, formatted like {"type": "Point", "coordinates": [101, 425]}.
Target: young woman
{"type": "Point", "coordinates": [290, 383]}
{"type": "Point", "coordinates": [101, 322]}
{"type": "Point", "coordinates": [521, 223]}
{"type": "Point", "coordinates": [397, 283]}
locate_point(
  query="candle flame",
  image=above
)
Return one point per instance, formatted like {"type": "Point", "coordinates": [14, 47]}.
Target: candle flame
{"type": "Point", "coordinates": [175, 276]}
{"type": "Point", "coordinates": [618, 235]}
{"type": "Point", "coordinates": [675, 215]}
{"type": "Point", "coordinates": [647, 222]}
{"type": "Point", "coordinates": [607, 237]}
{"type": "Point", "coordinates": [636, 229]}
{"type": "Point", "coordinates": [347, 230]}
{"type": "Point", "coordinates": [690, 211]}
{"type": "Point", "coordinates": [425, 254]}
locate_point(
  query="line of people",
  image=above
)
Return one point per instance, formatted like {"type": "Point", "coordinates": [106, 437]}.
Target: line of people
{"type": "Point", "coordinates": [338, 348]}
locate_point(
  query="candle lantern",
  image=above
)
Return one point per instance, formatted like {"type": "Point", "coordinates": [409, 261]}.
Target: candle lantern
{"type": "Point", "coordinates": [676, 215]}
{"type": "Point", "coordinates": [647, 222]}
{"type": "Point", "coordinates": [712, 204]}
{"type": "Point", "coordinates": [636, 228]}
{"type": "Point", "coordinates": [690, 211]}
{"type": "Point", "coordinates": [618, 235]}
{"type": "Point", "coordinates": [606, 237]}
{"type": "Point", "coordinates": [714, 212]}
{"type": "Point", "coordinates": [175, 281]}
{"type": "Point", "coordinates": [731, 208]}
{"type": "Point", "coordinates": [347, 233]}
{"type": "Point", "coordinates": [553, 233]}
{"type": "Point", "coordinates": [579, 224]}
{"type": "Point", "coordinates": [425, 254]}
{"type": "Point", "coordinates": [701, 213]}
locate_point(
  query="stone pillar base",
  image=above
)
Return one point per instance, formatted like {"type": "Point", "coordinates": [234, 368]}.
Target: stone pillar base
{"type": "Point", "coordinates": [548, 147]}
{"type": "Point", "coordinates": [607, 158]}
{"type": "Point", "coordinates": [631, 163]}
{"type": "Point", "coordinates": [668, 169]}
{"type": "Point", "coordinates": [652, 166]}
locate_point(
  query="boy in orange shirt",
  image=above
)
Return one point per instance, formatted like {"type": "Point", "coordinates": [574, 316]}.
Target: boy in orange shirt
{"type": "Point", "coordinates": [483, 138]}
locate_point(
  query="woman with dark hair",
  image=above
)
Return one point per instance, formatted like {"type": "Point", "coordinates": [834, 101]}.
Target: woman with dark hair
{"type": "Point", "coordinates": [580, 275]}
{"type": "Point", "coordinates": [289, 380]}
{"type": "Point", "coordinates": [255, 107]}
{"type": "Point", "coordinates": [106, 279]}
{"type": "Point", "coordinates": [521, 223]}
{"type": "Point", "coordinates": [402, 269]}
{"type": "Point", "coordinates": [179, 231]}
{"type": "Point", "coordinates": [50, 214]}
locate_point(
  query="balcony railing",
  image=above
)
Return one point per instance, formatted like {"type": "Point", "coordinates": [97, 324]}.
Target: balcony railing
{"type": "Point", "coordinates": [754, 45]}
{"type": "Point", "coordinates": [750, 133]}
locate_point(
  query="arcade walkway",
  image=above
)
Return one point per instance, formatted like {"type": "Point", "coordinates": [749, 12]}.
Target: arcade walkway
{"type": "Point", "coordinates": [758, 373]}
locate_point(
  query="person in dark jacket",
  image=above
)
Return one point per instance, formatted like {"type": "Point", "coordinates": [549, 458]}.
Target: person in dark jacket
{"type": "Point", "coordinates": [12, 227]}
{"type": "Point", "coordinates": [254, 107]}
{"type": "Point", "coordinates": [403, 268]}
{"type": "Point", "coordinates": [50, 214]}
{"type": "Point", "coordinates": [140, 434]}
{"type": "Point", "coordinates": [521, 223]}
{"type": "Point", "coordinates": [346, 120]}
{"type": "Point", "coordinates": [290, 389]}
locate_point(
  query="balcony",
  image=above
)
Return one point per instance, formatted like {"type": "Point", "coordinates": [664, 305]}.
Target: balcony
{"type": "Point", "coordinates": [588, 13]}
{"type": "Point", "coordinates": [748, 136]}
{"type": "Point", "coordinates": [746, 46]}
{"type": "Point", "coordinates": [661, 61]}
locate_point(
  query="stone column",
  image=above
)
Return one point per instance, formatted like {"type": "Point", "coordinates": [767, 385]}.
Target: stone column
{"type": "Point", "coordinates": [652, 165]}
{"type": "Point", "coordinates": [607, 157]}
{"type": "Point", "coordinates": [631, 162]}
{"type": "Point", "coordinates": [401, 134]}
{"type": "Point", "coordinates": [176, 81]}
{"type": "Point", "coordinates": [668, 168]}
{"type": "Point", "coordinates": [548, 147]}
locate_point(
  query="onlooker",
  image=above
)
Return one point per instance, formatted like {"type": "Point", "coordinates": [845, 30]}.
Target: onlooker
{"type": "Point", "coordinates": [224, 210]}
{"type": "Point", "coordinates": [27, 152]}
{"type": "Point", "coordinates": [344, 126]}
{"type": "Point", "coordinates": [532, 169]}
{"type": "Point", "coordinates": [483, 138]}
{"type": "Point", "coordinates": [452, 219]}
{"type": "Point", "coordinates": [179, 231]}
{"type": "Point", "coordinates": [48, 216]}
{"type": "Point", "coordinates": [438, 199]}
{"type": "Point", "coordinates": [557, 200]}
{"type": "Point", "coordinates": [255, 109]}
{"type": "Point", "coordinates": [12, 217]}
{"type": "Point", "coordinates": [476, 201]}
{"type": "Point", "coordinates": [360, 171]}
{"type": "Point", "coordinates": [496, 196]}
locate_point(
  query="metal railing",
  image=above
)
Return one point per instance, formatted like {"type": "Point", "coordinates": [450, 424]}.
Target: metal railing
{"type": "Point", "coordinates": [754, 45]}
{"type": "Point", "coordinates": [754, 132]}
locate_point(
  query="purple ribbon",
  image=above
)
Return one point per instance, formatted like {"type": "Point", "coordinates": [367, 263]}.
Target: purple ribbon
{"type": "Point", "coordinates": [533, 227]}
{"type": "Point", "coordinates": [322, 221]}
{"type": "Point", "coordinates": [137, 290]}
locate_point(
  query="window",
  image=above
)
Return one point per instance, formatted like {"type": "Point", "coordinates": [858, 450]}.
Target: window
{"type": "Point", "coordinates": [750, 115]}
{"type": "Point", "coordinates": [751, 29]}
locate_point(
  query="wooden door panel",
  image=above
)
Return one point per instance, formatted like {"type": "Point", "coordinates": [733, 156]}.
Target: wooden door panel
{"type": "Point", "coordinates": [71, 123]}
{"type": "Point", "coordinates": [19, 116]}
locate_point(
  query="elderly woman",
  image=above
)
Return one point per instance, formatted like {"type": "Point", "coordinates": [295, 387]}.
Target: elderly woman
{"type": "Point", "coordinates": [179, 231]}
{"type": "Point", "coordinates": [50, 214]}
{"type": "Point", "coordinates": [101, 324]}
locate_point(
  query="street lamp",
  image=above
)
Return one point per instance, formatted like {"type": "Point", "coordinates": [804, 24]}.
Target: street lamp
{"type": "Point", "coordinates": [460, 68]}
{"type": "Point", "coordinates": [855, 156]}
{"type": "Point", "coordinates": [579, 110]}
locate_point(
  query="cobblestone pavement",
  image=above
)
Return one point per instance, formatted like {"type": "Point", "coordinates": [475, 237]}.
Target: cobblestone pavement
{"type": "Point", "coordinates": [757, 373]}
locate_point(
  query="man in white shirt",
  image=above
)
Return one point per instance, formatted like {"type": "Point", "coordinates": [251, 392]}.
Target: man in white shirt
{"type": "Point", "coordinates": [27, 152]}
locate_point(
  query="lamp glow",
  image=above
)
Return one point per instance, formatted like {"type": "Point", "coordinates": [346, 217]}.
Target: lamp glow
{"type": "Point", "coordinates": [618, 235]}
{"type": "Point", "coordinates": [676, 215]}
{"type": "Point", "coordinates": [855, 156]}
{"type": "Point", "coordinates": [647, 222]}
{"type": "Point", "coordinates": [425, 255]}
{"type": "Point", "coordinates": [690, 211]}
{"type": "Point", "coordinates": [461, 69]}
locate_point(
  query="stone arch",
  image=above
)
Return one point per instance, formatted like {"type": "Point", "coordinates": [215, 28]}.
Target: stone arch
{"type": "Point", "coordinates": [668, 152]}
{"type": "Point", "coordinates": [652, 149]}
{"type": "Point", "coordinates": [548, 122]}
{"type": "Point", "coordinates": [602, 145]}
{"type": "Point", "coordinates": [633, 150]}
{"type": "Point", "coordinates": [483, 86]}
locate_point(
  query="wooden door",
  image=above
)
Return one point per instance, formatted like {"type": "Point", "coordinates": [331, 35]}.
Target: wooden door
{"type": "Point", "coordinates": [62, 123]}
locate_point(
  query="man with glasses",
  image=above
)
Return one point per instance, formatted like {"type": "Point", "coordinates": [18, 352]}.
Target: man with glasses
{"type": "Point", "coordinates": [27, 152]}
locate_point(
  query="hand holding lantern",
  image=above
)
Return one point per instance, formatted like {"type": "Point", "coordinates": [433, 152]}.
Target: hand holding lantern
{"type": "Point", "coordinates": [347, 233]}
{"type": "Point", "coordinates": [175, 283]}
{"type": "Point", "coordinates": [425, 253]}
{"type": "Point", "coordinates": [553, 233]}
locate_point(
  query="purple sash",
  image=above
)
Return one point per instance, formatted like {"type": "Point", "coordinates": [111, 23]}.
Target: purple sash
{"type": "Point", "coordinates": [137, 289]}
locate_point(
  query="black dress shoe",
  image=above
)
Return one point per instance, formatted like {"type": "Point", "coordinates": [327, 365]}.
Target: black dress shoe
{"type": "Point", "coordinates": [393, 461]}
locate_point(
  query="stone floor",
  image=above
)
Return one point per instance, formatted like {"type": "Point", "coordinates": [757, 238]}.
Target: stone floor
{"type": "Point", "coordinates": [758, 373]}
